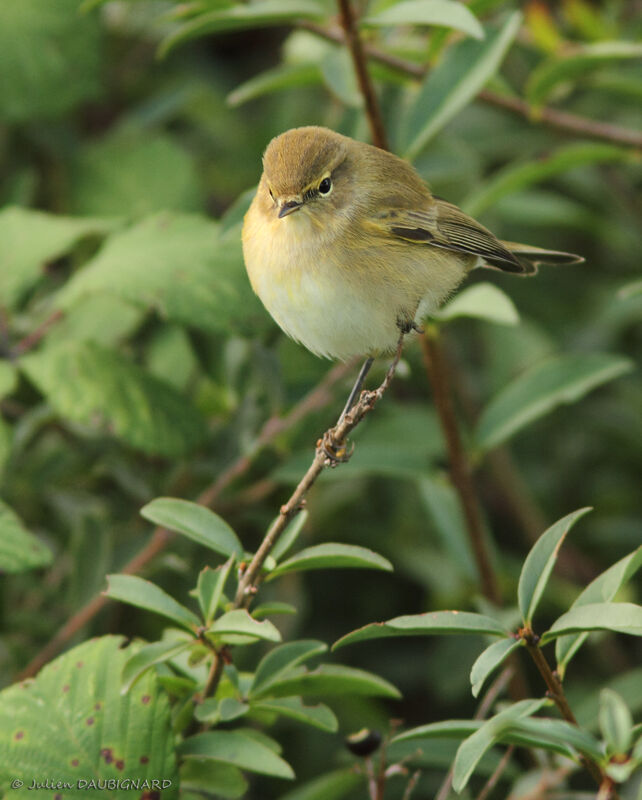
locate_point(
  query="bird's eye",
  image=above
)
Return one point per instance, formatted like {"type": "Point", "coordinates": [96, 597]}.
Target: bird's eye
{"type": "Point", "coordinates": [325, 187]}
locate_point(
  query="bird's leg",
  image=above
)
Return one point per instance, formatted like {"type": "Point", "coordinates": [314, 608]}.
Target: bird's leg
{"type": "Point", "coordinates": [356, 389]}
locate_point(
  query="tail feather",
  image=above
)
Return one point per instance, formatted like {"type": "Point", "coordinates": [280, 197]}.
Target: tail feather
{"type": "Point", "coordinates": [531, 257]}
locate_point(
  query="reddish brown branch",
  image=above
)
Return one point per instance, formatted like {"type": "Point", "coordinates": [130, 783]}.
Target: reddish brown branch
{"type": "Point", "coordinates": [359, 59]}
{"type": "Point", "coordinates": [30, 341]}
{"type": "Point", "coordinates": [460, 468]}
{"type": "Point", "coordinates": [562, 121]}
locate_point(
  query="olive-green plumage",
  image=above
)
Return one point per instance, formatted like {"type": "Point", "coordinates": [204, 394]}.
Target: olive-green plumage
{"type": "Point", "coordinates": [369, 247]}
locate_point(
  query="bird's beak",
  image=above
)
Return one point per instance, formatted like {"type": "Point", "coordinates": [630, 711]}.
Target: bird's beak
{"type": "Point", "coordinates": [289, 207]}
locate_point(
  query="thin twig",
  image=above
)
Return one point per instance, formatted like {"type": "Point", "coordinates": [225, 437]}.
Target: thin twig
{"type": "Point", "coordinates": [316, 399]}
{"type": "Point", "coordinates": [460, 468]}
{"type": "Point", "coordinates": [558, 120]}
{"type": "Point", "coordinates": [492, 781]}
{"type": "Point", "coordinates": [359, 59]}
{"type": "Point", "coordinates": [333, 441]}
{"type": "Point", "coordinates": [32, 339]}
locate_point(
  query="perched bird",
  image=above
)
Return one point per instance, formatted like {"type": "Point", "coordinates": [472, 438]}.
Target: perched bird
{"type": "Point", "coordinates": [345, 244]}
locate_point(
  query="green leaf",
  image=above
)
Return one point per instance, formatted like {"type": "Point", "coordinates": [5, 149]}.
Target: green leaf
{"type": "Point", "coordinates": [51, 58]}
{"type": "Point", "coordinates": [331, 555]}
{"type": "Point", "coordinates": [337, 71]}
{"type": "Point", "coordinates": [483, 301]}
{"type": "Point", "coordinates": [194, 521]}
{"type": "Point", "coordinates": [95, 386]}
{"type": "Point", "coordinates": [285, 76]}
{"type": "Point", "coordinates": [545, 78]}
{"type": "Point", "coordinates": [133, 173]}
{"type": "Point", "coordinates": [6, 441]}
{"type": "Point", "coordinates": [618, 617]}
{"type": "Point", "coordinates": [240, 750]}
{"type": "Point", "coordinates": [328, 679]}
{"type": "Point", "coordinates": [489, 660]}
{"type": "Point", "coordinates": [268, 609]}
{"type": "Point", "coordinates": [148, 655]}
{"type": "Point", "coordinates": [214, 710]}
{"type": "Point", "coordinates": [563, 379]}
{"type": "Point", "coordinates": [616, 723]}
{"type": "Point", "coordinates": [30, 239]}
{"type": "Point", "coordinates": [72, 724]}
{"type": "Point", "coordinates": [552, 734]}
{"type": "Point", "coordinates": [450, 86]}
{"type": "Point", "coordinates": [145, 594]}
{"type": "Point", "coordinates": [601, 589]}
{"type": "Point", "coordinates": [449, 729]}
{"type": "Point", "coordinates": [101, 318]}
{"type": "Point", "coordinates": [516, 177]}
{"type": "Point", "coordinates": [180, 266]}
{"type": "Point", "coordinates": [8, 378]}
{"type": "Point", "coordinates": [239, 622]}
{"type": "Point", "coordinates": [331, 786]}
{"type": "Point", "coordinates": [212, 777]}
{"type": "Point", "coordinates": [289, 535]}
{"type": "Point", "coordinates": [446, 13]}
{"type": "Point", "coordinates": [281, 660]}
{"type": "Point", "coordinates": [427, 624]}
{"type": "Point", "coordinates": [210, 588]}
{"type": "Point", "coordinates": [241, 17]}
{"type": "Point", "coordinates": [20, 550]}
{"type": "Point", "coordinates": [472, 749]}
{"type": "Point", "coordinates": [318, 716]}
{"type": "Point", "coordinates": [539, 564]}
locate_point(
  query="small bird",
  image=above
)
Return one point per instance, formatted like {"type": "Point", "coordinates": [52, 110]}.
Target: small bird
{"type": "Point", "coordinates": [346, 246]}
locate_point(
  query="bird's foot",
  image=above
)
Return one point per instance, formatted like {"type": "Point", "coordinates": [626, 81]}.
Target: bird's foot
{"type": "Point", "coordinates": [335, 453]}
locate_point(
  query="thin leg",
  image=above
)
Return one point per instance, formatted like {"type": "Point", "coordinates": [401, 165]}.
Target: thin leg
{"type": "Point", "coordinates": [356, 389]}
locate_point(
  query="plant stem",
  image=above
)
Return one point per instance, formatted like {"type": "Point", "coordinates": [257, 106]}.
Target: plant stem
{"type": "Point", "coordinates": [551, 117]}
{"type": "Point", "coordinates": [460, 468]}
{"type": "Point", "coordinates": [492, 781]}
{"type": "Point", "coordinates": [359, 59]}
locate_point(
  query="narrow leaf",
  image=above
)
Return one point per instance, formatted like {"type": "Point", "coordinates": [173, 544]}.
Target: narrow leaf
{"type": "Point", "coordinates": [428, 624]}
{"type": "Point", "coordinates": [601, 589]}
{"type": "Point", "coordinates": [268, 609]}
{"type": "Point", "coordinates": [318, 716]}
{"type": "Point", "coordinates": [285, 76]}
{"type": "Point", "coordinates": [335, 785]}
{"type": "Point", "coordinates": [489, 660]}
{"type": "Point", "coordinates": [194, 521]}
{"type": "Point", "coordinates": [563, 379]}
{"type": "Point", "coordinates": [283, 659]}
{"type": "Point", "coordinates": [239, 622]}
{"type": "Point", "coordinates": [289, 535]}
{"type": "Point", "coordinates": [552, 734]}
{"type": "Point", "coordinates": [146, 657]}
{"type": "Point", "coordinates": [616, 723]}
{"type": "Point", "coordinates": [539, 564]}
{"type": "Point", "coordinates": [232, 747]}
{"type": "Point", "coordinates": [210, 587]}
{"type": "Point", "coordinates": [617, 617]}
{"type": "Point", "coordinates": [451, 85]}
{"type": "Point", "coordinates": [331, 555]}
{"type": "Point", "coordinates": [20, 550]}
{"type": "Point", "coordinates": [145, 594]}
{"type": "Point", "coordinates": [329, 679]}
{"type": "Point", "coordinates": [483, 301]}
{"type": "Point", "coordinates": [449, 729]}
{"type": "Point", "coordinates": [444, 13]}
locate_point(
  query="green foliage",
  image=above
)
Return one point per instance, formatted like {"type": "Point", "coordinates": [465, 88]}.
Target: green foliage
{"type": "Point", "coordinates": [136, 363]}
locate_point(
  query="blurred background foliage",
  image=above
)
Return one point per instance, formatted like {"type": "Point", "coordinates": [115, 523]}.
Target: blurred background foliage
{"type": "Point", "coordinates": [136, 362]}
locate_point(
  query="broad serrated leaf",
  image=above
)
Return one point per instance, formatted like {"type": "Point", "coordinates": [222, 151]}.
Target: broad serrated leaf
{"type": "Point", "coordinates": [285, 76]}
{"type": "Point", "coordinates": [51, 58]}
{"type": "Point", "coordinates": [444, 13]}
{"type": "Point", "coordinates": [617, 617]}
{"type": "Point", "coordinates": [144, 594]}
{"type": "Point", "coordinates": [331, 786]}
{"type": "Point", "coordinates": [72, 724]}
{"type": "Point", "coordinates": [318, 716]}
{"type": "Point", "coordinates": [489, 660]}
{"type": "Point", "coordinates": [239, 622]}
{"type": "Point", "coordinates": [450, 86]}
{"type": "Point", "coordinates": [427, 624]}
{"type": "Point", "coordinates": [30, 239]}
{"type": "Point", "coordinates": [328, 679]}
{"type": "Point", "coordinates": [563, 379]}
{"type": "Point", "coordinates": [97, 387]}
{"type": "Point", "coordinates": [146, 657]}
{"type": "Point", "coordinates": [240, 17]}
{"type": "Point", "coordinates": [472, 749]}
{"type": "Point", "coordinates": [601, 589]}
{"type": "Point", "coordinates": [238, 749]}
{"type": "Point", "coordinates": [210, 588]}
{"type": "Point", "coordinates": [331, 555]}
{"type": "Point", "coordinates": [177, 264]}
{"type": "Point", "coordinates": [539, 564]}
{"type": "Point", "coordinates": [616, 723]}
{"type": "Point", "coordinates": [517, 177]}
{"type": "Point", "coordinates": [194, 521]}
{"type": "Point", "coordinates": [20, 550]}
{"type": "Point", "coordinates": [282, 659]}
{"type": "Point", "coordinates": [483, 301]}
{"type": "Point", "coordinates": [545, 78]}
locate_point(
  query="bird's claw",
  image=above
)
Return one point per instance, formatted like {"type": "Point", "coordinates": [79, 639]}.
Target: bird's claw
{"type": "Point", "coordinates": [334, 452]}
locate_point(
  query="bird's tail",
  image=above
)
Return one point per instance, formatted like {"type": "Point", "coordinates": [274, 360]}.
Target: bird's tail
{"type": "Point", "coordinates": [530, 258]}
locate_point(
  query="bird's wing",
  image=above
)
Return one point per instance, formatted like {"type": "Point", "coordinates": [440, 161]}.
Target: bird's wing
{"type": "Point", "coordinates": [443, 225]}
